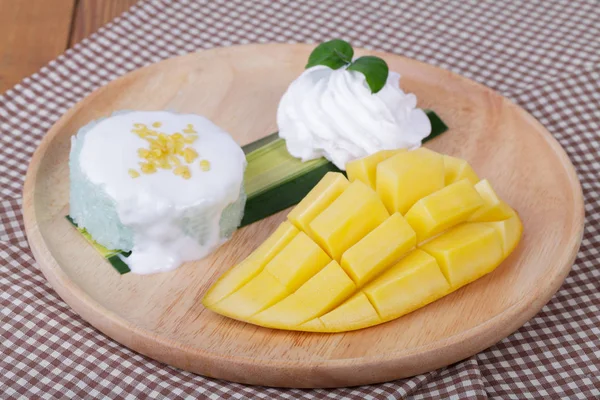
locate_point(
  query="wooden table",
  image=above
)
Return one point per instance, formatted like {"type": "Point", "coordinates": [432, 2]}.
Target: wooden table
{"type": "Point", "coordinates": [34, 32]}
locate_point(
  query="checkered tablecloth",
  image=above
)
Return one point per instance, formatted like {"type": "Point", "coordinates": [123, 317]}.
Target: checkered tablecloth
{"type": "Point", "coordinates": [544, 55]}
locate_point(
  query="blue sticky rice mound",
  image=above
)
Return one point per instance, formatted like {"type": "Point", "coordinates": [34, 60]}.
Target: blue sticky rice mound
{"type": "Point", "coordinates": [93, 209]}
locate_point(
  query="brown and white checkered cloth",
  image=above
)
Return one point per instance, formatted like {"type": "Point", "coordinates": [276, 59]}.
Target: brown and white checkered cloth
{"type": "Point", "coordinates": [544, 55]}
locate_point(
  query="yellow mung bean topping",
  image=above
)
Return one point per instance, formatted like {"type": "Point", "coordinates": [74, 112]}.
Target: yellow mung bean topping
{"type": "Point", "coordinates": [167, 151]}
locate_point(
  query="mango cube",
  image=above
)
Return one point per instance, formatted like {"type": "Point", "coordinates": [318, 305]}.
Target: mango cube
{"type": "Point", "coordinates": [410, 284]}
{"type": "Point", "coordinates": [466, 252]}
{"type": "Point", "coordinates": [256, 295]}
{"type": "Point", "coordinates": [239, 275]}
{"type": "Point", "coordinates": [494, 209]}
{"type": "Point", "coordinates": [443, 209]}
{"type": "Point", "coordinates": [355, 313]}
{"type": "Point", "coordinates": [297, 262]}
{"type": "Point", "coordinates": [318, 199]}
{"type": "Point", "coordinates": [408, 176]}
{"type": "Point", "coordinates": [457, 169]}
{"type": "Point", "coordinates": [365, 169]}
{"type": "Point", "coordinates": [510, 231]}
{"type": "Point", "coordinates": [320, 294]}
{"type": "Point", "coordinates": [348, 219]}
{"type": "Point", "coordinates": [379, 249]}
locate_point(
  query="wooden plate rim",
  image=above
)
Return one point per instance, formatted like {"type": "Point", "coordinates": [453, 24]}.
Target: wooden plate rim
{"type": "Point", "coordinates": [478, 336]}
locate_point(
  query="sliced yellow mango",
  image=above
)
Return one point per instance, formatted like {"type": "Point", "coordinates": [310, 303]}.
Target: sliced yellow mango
{"type": "Point", "coordinates": [379, 249]}
{"type": "Point", "coordinates": [410, 284]}
{"type": "Point", "coordinates": [348, 219]}
{"type": "Point", "coordinates": [297, 262]}
{"type": "Point", "coordinates": [320, 294]}
{"type": "Point", "coordinates": [443, 209]}
{"type": "Point", "coordinates": [458, 169]}
{"type": "Point", "coordinates": [256, 295]}
{"type": "Point", "coordinates": [466, 252]}
{"type": "Point", "coordinates": [494, 209]}
{"type": "Point", "coordinates": [318, 199]}
{"type": "Point", "coordinates": [408, 176]}
{"type": "Point", "coordinates": [355, 313]}
{"type": "Point", "coordinates": [341, 262]}
{"type": "Point", "coordinates": [239, 275]}
{"type": "Point", "coordinates": [365, 169]}
{"type": "Point", "coordinates": [510, 231]}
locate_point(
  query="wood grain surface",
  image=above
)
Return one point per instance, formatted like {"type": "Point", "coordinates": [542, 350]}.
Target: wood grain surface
{"type": "Point", "coordinates": [25, 42]}
{"type": "Point", "coordinates": [90, 15]}
{"type": "Point", "coordinates": [239, 88]}
{"type": "Point", "coordinates": [34, 32]}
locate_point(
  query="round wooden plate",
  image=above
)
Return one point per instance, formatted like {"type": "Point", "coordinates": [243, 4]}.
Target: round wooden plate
{"type": "Point", "coordinates": [239, 88]}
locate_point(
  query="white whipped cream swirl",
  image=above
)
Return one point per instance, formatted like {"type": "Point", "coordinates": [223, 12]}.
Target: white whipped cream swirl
{"type": "Point", "coordinates": [333, 114]}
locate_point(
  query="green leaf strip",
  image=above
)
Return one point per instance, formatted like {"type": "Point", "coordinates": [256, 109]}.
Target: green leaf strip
{"type": "Point", "coordinates": [113, 256]}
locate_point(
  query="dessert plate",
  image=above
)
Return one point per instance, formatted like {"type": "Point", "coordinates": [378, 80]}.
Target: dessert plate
{"type": "Point", "coordinates": [238, 88]}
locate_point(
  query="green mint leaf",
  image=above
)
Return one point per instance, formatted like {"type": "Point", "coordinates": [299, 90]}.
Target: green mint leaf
{"type": "Point", "coordinates": [375, 70]}
{"type": "Point", "coordinates": [334, 54]}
